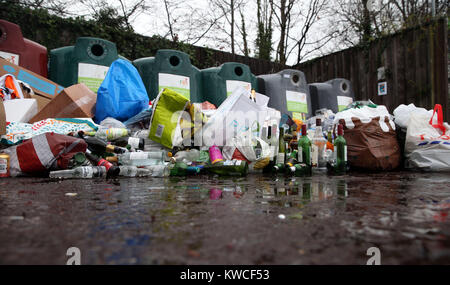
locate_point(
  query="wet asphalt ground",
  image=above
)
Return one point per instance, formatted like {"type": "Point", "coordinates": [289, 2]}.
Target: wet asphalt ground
{"type": "Point", "coordinates": [211, 220]}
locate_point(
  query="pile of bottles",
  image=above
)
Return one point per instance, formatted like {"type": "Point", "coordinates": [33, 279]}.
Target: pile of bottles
{"type": "Point", "coordinates": [114, 152]}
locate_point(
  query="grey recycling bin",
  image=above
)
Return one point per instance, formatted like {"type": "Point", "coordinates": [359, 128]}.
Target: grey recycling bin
{"type": "Point", "coordinates": [288, 92]}
{"type": "Point", "coordinates": [335, 94]}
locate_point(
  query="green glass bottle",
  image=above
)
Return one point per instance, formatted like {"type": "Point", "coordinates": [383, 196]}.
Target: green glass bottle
{"type": "Point", "coordinates": [182, 169]}
{"type": "Point", "coordinates": [304, 148]}
{"type": "Point", "coordinates": [299, 169]}
{"type": "Point", "coordinates": [281, 156]}
{"type": "Point", "coordinates": [340, 147]}
{"type": "Point", "coordinates": [229, 168]}
{"type": "Point", "coordinates": [278, 168]}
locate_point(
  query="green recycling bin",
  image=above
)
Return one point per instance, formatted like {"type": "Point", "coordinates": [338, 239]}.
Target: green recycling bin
{"type": "Point", "coordinates": [288, 92]}
{"type": "Point", "coordinates": [219, 82]}
{"type": "Point", "coordinates": [86, 62]}
{"type": "Point", "coordinates": [170, 69]}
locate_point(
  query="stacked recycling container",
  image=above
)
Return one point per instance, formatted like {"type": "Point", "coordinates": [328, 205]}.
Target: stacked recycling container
{"type": "Point", "coordinates": [173, 70]}
{"type": "Point", "coordinates": [288, 92]}
{"type": "Point", "coordinates": [335, 94]}
{"type": "Point", "coordinates": [220, 82]}
{"type": "Point", "coordinates": [86, 62]}
{"type": "Point", "coordinates": [20, 51]}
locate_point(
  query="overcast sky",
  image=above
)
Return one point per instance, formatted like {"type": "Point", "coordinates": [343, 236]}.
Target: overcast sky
{"type": "Point", "coordinates": [154, 22]}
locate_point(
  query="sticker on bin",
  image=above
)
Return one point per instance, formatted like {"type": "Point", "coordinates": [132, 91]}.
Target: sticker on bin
{"type": "Point", "coordinates": [234, 84]}
{"type": "Point", "coordinates": [343, 102]}
{"type": "Point", "coordinates": [159, 131]}
{"type": "Point", "coordinates": [11, 57]}
{"type": "Point", "coordinates": [92, 75]}
{"type": "Point", "coordinates": [296, 102]}
{"type": "Point", "coordinates": [177, 83]}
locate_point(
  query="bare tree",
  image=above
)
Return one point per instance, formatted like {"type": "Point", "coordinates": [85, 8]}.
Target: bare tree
{"type": "Point", "coordinates": [264, 30]}
{"type": "Point", "coordinates": [282, 10]}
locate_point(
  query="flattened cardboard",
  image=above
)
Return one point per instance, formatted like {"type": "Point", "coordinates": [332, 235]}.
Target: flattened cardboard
{"type": "Point", "coordinates": [40, 85]}
{"type": "Point", "coordinates": [76, 101]}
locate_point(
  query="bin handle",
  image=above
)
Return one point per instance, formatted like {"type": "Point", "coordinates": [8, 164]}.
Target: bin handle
{"type": "Point", "coordinates": [440, 118]}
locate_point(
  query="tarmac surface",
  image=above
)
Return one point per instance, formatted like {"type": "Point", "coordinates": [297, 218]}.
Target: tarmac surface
{"type": "Point", "coordinates": [211, 220]}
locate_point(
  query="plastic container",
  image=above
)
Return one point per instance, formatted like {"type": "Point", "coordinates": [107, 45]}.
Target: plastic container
{"type": "Point", "coordinates": [170, 69]}
{"type": "Point", "coordinates": [20, 51]}
{"type": "Point", "coordinates": [86, 62]}
{"type": "Point", "coordinates": [288, 92]}
{"type": "Point", "coordinates": [219, 82]}
{"type": "Point", "coordinates": [335, 95]}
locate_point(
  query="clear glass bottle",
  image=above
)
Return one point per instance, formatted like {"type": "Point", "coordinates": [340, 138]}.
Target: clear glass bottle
{"type": "Point", "coordinates": [79, 172]}
{"type": "Point", "coordinates": [318, 148]}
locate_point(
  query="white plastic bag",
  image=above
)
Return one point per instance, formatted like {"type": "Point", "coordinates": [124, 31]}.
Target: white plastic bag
{"type": "Point", "coordinates": [236, 115]}
{"type": "Point", "coordinates": [403, 113]}
{"type": "Point", "coordinates": [427, 145]}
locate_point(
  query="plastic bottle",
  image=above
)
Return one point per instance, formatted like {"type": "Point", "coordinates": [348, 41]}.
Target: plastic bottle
{"type": "Point", "coordinates": [186, 156]}
{"type": "Point", "coordinates": [133, 171]}
{"type": "Point", "coordinates": [215, 155]}
{"type": "Point", "coordinates": [80, 172]}
{"type": "Point", "coordinates": [139, 158]}
{"type": "Point", "coordinates": [110, 134]}
{"type": "Point", "coordinates": [160, 170]}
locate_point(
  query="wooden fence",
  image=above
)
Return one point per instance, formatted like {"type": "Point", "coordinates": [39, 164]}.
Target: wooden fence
{"type": "Point", "coordinates": [415, 62]}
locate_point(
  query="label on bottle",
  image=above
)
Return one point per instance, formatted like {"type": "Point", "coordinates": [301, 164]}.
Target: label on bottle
{"type": "Point", "coordinates": [11, 57]}
{"type": "Point", "coordinates": [292, 168]}
{"type": "Point", "coordinates": [300, 154]}
{"type": "Point", "coordinates": [345, 153]}
{"type": "Point", "coordinates": [314, 155]}
{"type": "Point", "coordinates": [280, 157]}
{"type": "Point", "coordinates": [134, 142]}
{"type": "Point", "coordinates": [138, 155]}
{"type": "Point", "coordinates": [105, 163]}
{"type": "Point", "coordinates": [232, 85]}
{"type": "Point", "coordinates": [238, 162]}
{"type": "Point", "coordinates": [87, 172]}
{"type": "Point", "coordinates": [228, 163]}
{"type": "Point", "coordinates": [177, 83]}
{"type": "Point", "coordinates": [92, 75]}
{"type": "Point", "coordinates": [159, 131]}
{"type": "Point", "coordinates": [3, 166]}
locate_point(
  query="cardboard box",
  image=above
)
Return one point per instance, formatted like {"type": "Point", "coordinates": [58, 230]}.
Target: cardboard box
{"type": "Point", "coordinates": [20, 110]}
{"type": "Point", "coordinates": [40, 85]}
{"type": "Point", "coordinates": [76, 101]}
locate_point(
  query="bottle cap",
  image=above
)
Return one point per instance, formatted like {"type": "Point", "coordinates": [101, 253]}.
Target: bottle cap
{"type": "Point", "coordinates": [169, 154]}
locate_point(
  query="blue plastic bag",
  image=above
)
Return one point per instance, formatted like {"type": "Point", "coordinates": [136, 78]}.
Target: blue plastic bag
{"type": "Point", "coordinates": [122, 94]}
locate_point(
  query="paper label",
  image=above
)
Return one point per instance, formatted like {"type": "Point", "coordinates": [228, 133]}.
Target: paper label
{"type": "Point", "coordinates": [134, 142]}
{"type": "Point", "coordinates": [177, 83]}
{"type": "Point", "coordinates": [92, 75]}
{"type": "Point", "coordinates": [138, 155]}
{"type": "Point", "coordinates": [3, 166]}
{"type": "Point", "coordinates": [238, 162]}
{"type": "Point", "coordinates": [315, 155]}
{"type": "Point", "coordinates": [300, 154]}
{"type": "Point", "coordinates": [345, 153]}
{"type": "Point", "coordinates": [11, 57]}
{"type": "Point", "coordinates": [343, 102]}
{"type": "Point", "coordinates": [234, 84]}
{"type": "Point", "coordinates": [87, 172]}
{"type": "Point", "coordinates": [159, 131]}
{"type": "Point", "coordinates": [296, 102]}
{"type": "Point", "coordinates": [228, 162]}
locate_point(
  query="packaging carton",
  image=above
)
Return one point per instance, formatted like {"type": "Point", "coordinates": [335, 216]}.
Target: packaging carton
{"type": "Point", "coordinates": [76, 101]}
